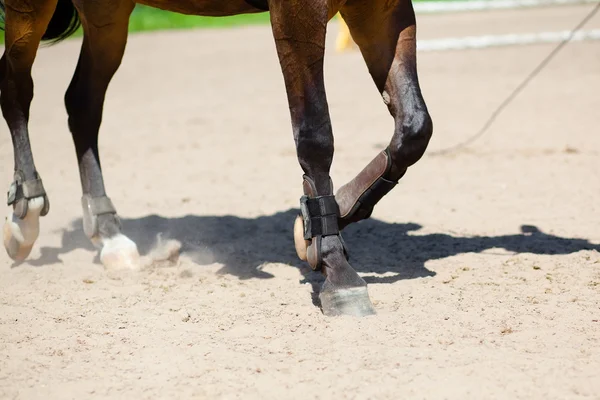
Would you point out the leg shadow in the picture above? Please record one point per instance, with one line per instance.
(244, 245)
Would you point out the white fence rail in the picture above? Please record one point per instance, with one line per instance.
(485, 41)
(428, 7)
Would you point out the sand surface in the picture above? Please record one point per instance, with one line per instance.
(484, 266)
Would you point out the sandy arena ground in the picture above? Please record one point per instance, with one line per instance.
(484, 266)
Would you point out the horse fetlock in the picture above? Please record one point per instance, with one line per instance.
(318, 219)
(357, 198)
(22, 191)
(95, 208)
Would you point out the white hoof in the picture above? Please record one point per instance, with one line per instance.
(119, 252)
(20, 234)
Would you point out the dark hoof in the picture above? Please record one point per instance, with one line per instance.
(351, 301)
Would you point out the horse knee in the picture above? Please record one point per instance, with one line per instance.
(411, 137)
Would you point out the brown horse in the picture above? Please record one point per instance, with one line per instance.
(384, 30)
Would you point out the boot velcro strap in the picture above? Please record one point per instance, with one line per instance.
(102, 205)
(320, 216)
(25, 190)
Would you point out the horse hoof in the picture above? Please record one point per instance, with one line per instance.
(20, 234)
(14, 243)
(352, 301)
(119, 253)
(299, 242)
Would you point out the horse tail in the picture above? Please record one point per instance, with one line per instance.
(65, 21)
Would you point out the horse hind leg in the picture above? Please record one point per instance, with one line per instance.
(105, 26)
(386, 35)
(26, 23)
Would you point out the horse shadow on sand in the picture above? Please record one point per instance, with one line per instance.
(243, 245)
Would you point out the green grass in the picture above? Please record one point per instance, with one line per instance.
(151, 19)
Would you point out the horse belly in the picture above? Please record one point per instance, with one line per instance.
(209, 8)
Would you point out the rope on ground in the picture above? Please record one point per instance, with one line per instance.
(490, 121)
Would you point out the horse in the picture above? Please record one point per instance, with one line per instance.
(385, 33)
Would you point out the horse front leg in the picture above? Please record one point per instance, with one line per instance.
(385, 32)
(26, 23)
(299, 31)
(105, 26)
